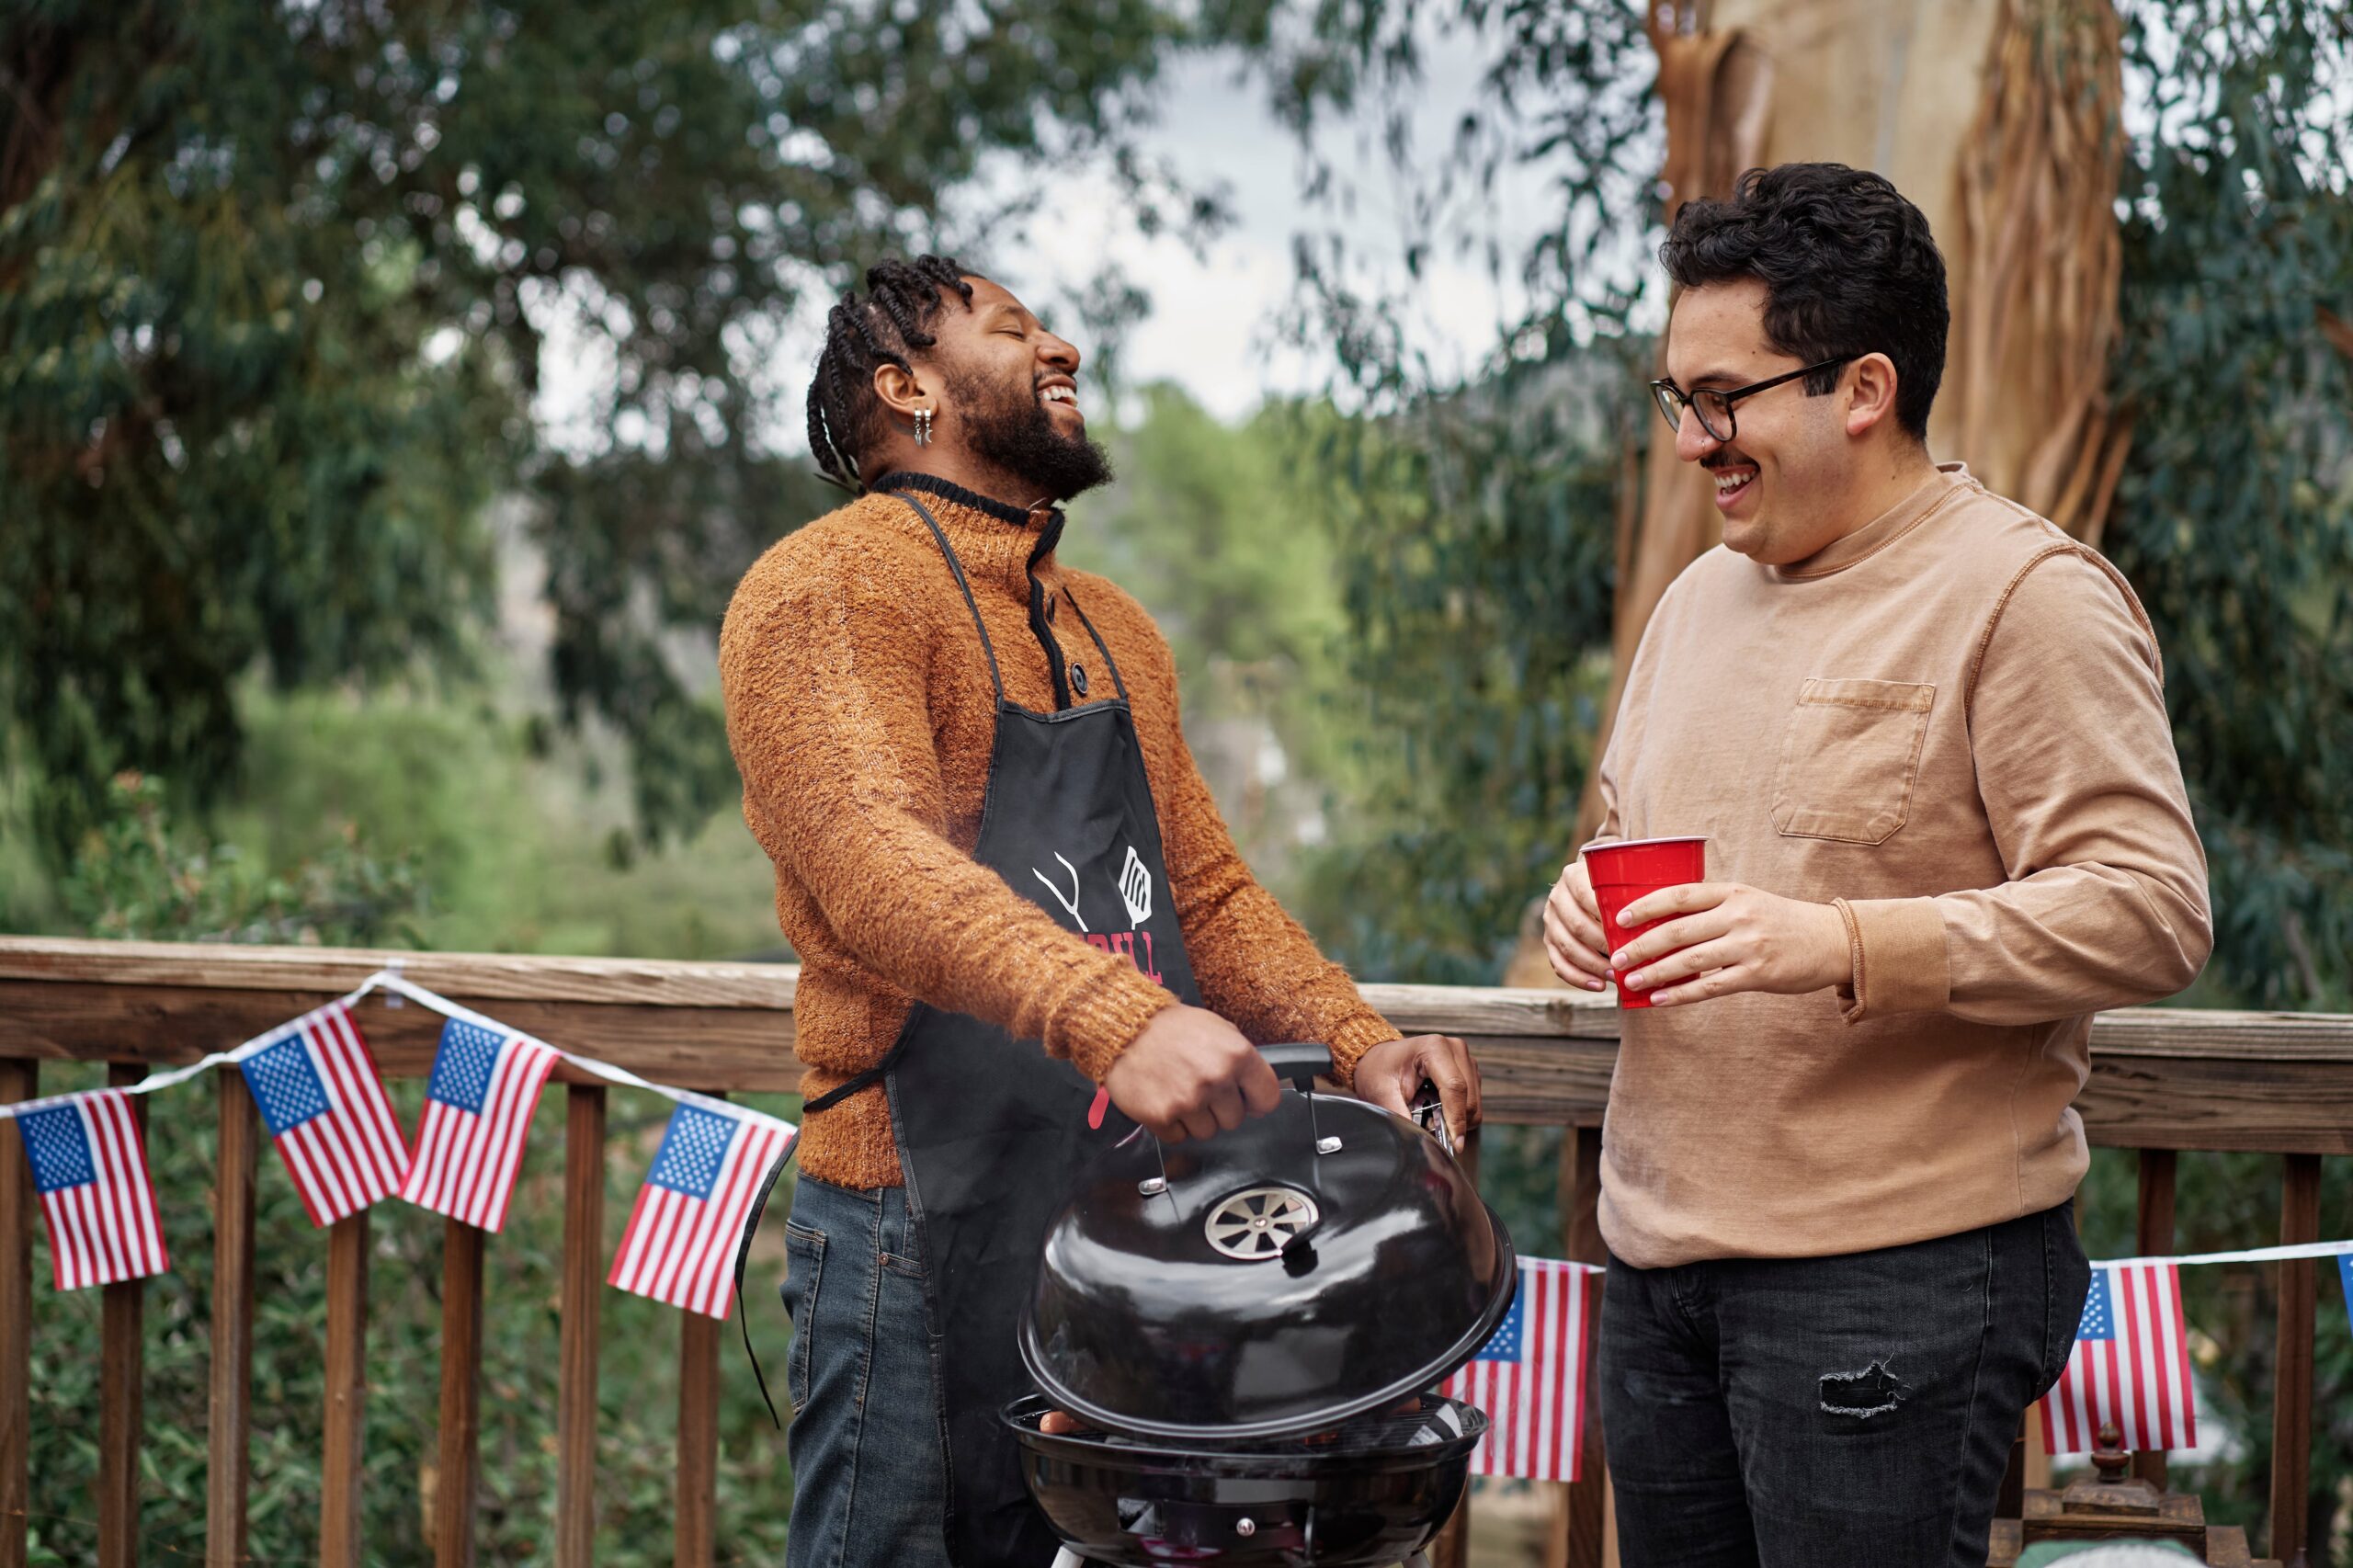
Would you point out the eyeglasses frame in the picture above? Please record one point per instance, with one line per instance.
(1661, 389)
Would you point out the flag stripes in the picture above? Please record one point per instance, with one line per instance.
(2130, 1365)
(478, 1108)
(680, 1243)
(98, 1200)
(1530, 1379)
(323, 1097)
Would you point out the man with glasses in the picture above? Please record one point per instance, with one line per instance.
(1925, 733)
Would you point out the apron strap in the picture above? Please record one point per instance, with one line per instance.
(964, 587)
(742, 1255)
(842, 1091)
(1118, 685)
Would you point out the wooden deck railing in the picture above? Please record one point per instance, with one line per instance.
(2161, 1082)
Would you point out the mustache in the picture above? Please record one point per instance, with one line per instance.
(1724, 456)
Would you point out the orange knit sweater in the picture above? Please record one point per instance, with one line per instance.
(860, 709)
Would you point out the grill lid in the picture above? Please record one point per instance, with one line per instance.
(1317, 1263)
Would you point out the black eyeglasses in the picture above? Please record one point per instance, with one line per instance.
(1714, 408)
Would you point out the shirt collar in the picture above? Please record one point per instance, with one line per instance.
(999, 544)
(1881, 531)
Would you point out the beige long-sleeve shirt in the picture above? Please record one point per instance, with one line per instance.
(1952, 722)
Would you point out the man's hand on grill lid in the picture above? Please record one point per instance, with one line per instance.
(1189, 1074)
(1390, 1074)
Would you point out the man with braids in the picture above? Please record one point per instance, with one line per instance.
(1015, 905)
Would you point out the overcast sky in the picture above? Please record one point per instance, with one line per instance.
(1212, 327)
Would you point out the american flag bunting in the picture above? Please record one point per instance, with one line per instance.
(324, 1101)
(478, 1103)
(1530, 1376)
(680, 1243)
(90, 1168)
(2130, 1365)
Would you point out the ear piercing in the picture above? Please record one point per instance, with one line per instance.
(923, 427)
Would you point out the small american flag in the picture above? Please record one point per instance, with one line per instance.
(2130, 1365)
(680, 1245)
(90, 1167)
(1530, 1375)
(478, 1107)
(320, 1092)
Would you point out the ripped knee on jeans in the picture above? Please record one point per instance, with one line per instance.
(1874, 1390)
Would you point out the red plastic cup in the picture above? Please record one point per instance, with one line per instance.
(1625, 872)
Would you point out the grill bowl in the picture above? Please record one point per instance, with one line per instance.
(1368, 1495)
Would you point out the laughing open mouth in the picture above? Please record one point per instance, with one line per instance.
(1732, 481)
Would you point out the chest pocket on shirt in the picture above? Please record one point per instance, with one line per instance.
(1850, 754)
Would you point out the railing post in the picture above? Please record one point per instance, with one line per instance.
(575, 1409)
(1578, 1511)
(121, 1374)
(341, 1469)
(20, 1080)
(233, 1328)
(2152, 1237)
(2292, 1392)
(459, 1442)
(698, 1440)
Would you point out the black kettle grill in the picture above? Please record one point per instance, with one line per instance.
(1248, 1328)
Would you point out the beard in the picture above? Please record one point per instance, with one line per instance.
(1006, 425)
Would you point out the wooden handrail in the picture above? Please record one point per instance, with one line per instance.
(2161, 1080)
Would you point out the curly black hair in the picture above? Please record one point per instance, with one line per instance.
(1848, 267)
(893, 320)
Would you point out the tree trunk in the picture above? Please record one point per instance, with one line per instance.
(1998, 119)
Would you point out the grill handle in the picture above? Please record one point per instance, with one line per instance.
(1300, 1062)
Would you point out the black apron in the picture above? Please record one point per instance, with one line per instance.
(992, 1131)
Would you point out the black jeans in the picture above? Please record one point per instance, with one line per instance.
(1823, 1412)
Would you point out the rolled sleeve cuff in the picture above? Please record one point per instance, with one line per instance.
(1105, 1020)
(1899, 951)
(1355, 1036)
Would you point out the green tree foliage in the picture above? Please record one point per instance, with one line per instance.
(275, 281)
(1475, 562)
(142, 877)
(2234, 513)
(1473, 513)
(2235, 521)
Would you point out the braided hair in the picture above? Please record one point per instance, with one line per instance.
(894, 318)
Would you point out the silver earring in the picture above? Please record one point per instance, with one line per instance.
(923, 427)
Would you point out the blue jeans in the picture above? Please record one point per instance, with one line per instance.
(1797, 1413)
(868, 1471)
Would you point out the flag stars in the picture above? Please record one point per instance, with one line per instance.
(1504, 1344)
(463, 1066)
(286, 1086)
(2098, 1312)
(692, 1151)
(59, 1148)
